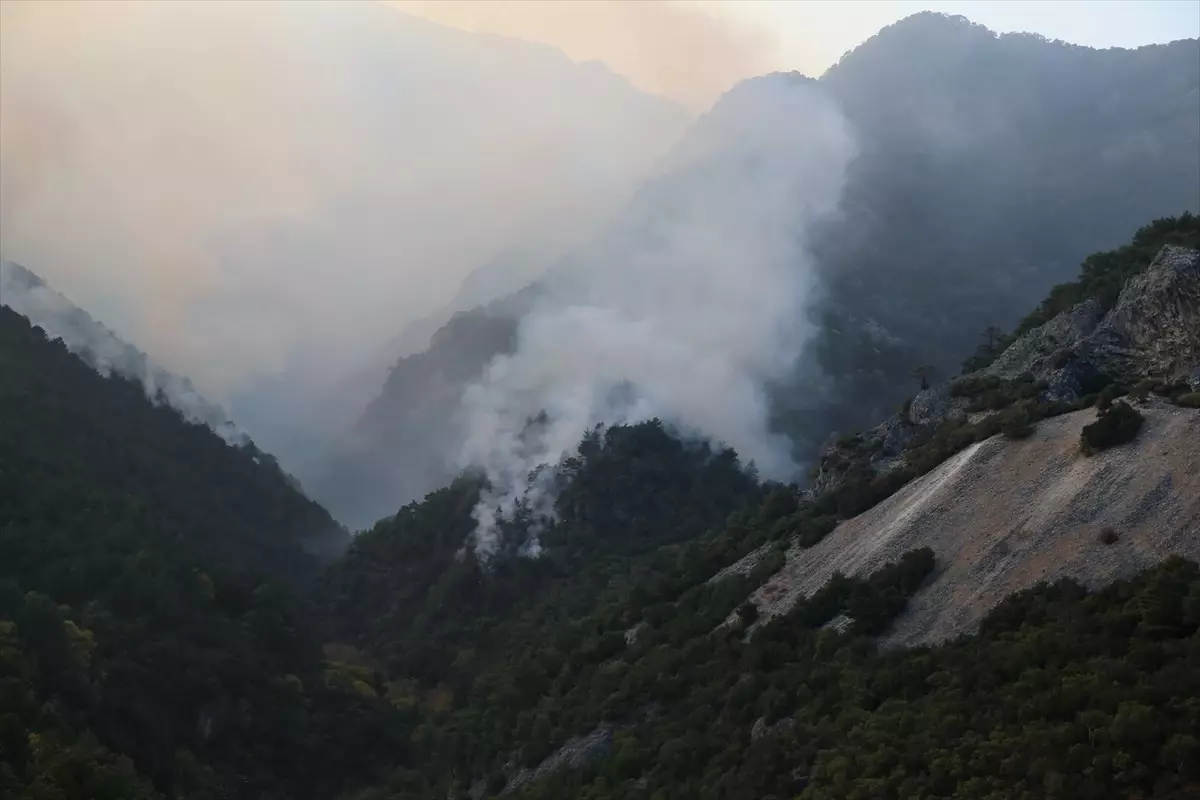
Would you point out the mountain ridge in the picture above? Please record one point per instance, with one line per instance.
(986, 500)
(882, 245)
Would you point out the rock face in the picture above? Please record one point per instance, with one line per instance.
(1155, 327)
(576, 753)
(1045, 351)
(1002, 515)
(1153, 330)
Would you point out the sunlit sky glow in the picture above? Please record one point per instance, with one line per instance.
(692, 50)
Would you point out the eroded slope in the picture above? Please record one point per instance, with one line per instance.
(1003, 515)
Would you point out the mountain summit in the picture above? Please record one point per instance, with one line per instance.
(986, 167)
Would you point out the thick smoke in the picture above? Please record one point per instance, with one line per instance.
(656, 43)
(28, 295)
(686, 311)
(264, 194)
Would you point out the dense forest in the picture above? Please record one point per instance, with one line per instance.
(165, 631)
(152, 636)
(168, 628)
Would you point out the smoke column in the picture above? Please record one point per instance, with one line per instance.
(264, 195)
(685, 310)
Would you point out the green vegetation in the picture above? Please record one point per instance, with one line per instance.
(167, 632)
(151, 640)
(1103, 275)
(1116, 425)
(1060, 695)
(1101, 278)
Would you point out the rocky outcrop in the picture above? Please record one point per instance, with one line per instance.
(1043, 350)
(882, 447)
(761, 728)
(1003, 515)
(576, 753)
(1152, 331)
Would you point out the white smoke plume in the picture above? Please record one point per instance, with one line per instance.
(264, 194)
(693, 303)
(28, 295)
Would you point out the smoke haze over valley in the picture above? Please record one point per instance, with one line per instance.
(606, 399)
(395, 250)
(265, 195)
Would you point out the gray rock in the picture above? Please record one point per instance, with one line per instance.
(761, 728)
(1042, 350)
(578, 752)
(1154, 329)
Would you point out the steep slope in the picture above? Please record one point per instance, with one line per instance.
(746, 661)
(412, 591)
(1132, 315)
(28, 295)
(988, 167)
(149, 642)
(1002, 516)
(343, 179)
(67, 427)
(406, 442)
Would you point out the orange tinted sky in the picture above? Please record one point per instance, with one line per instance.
(692, 50)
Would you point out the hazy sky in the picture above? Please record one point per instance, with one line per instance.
(693, 50)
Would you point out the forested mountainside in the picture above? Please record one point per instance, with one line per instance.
(150, 642)
(991, 166)
(158, 639)
(30, 296)
(740, 664)
(988, 167)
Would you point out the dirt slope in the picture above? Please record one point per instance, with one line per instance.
(1003, 515)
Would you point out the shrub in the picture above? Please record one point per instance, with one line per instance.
(1118, 425)
(813, 529)
(1092, 381)
(1108, 535)
(1105, 399)
(1017, 424)
(1171, 390)
(1188, 400)
(1143, 389)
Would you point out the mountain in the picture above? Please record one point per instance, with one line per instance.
(70, 426)
(987, 167)
(1023, 528)
(682, 629)
(991, 165)
(346, 167)
(28, 295)
(151, 640)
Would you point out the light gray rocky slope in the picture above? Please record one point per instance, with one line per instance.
(1152, 331)
(1003, 515)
